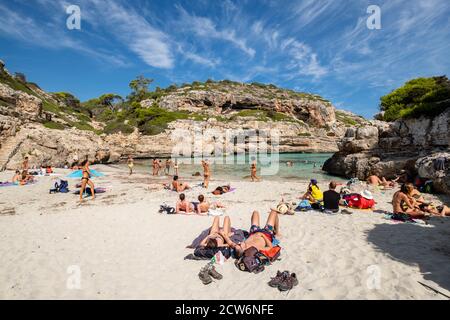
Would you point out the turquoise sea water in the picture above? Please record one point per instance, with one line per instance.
(306, 166)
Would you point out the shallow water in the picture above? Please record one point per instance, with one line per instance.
(305, 166)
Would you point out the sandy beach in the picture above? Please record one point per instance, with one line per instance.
(125, 249)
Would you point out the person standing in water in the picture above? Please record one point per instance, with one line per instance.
(168, 165)
(175, 167)
(253, 170)
(130, 163)
(86, 180)
(206, 173)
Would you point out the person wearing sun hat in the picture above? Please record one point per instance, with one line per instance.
(362, 201)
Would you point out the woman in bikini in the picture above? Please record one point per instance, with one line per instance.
(86, 180)
(215, 239)
(221, 190)
(421, 204)
(253, 175)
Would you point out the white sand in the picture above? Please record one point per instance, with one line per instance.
(126, 250)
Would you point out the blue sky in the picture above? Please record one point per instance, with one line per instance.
(318, 46)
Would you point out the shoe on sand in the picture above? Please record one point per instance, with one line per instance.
(204, 276)
(275, 282)
(213, 273)
(288, 283)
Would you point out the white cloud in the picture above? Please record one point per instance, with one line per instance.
(206, 28)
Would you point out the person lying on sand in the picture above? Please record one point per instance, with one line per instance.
(215, 238)
(259, 238)
(202, 207)
(420, 203)
(179, 186)
(374, 180)
(183, 206)
(221, 190)
(401, 203)
(313, 194)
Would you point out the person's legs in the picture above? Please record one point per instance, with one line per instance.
(255, 219)
(227, 225)
(273, 220)
(82, 188)
(91, 184)
(215, 226)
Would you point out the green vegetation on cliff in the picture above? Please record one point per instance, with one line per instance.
(418, 97)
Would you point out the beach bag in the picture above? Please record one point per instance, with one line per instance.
(249, 261)
(166, 209)
(304, 205)
(61, 186)
(272, 254)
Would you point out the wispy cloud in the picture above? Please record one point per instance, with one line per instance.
(206, 28)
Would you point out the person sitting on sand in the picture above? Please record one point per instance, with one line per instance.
(421, 204)
(331, 199)
(253, 170)
(130, 163)
(374, 180)
(17, 177)
(179, 186)
(221, 190)
(259, 238)
(401, 203)
(202, 207)
(214, 239)
(25, 178)
(86, 180)
(206, 173)
(313, 194)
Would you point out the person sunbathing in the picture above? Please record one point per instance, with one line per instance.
(401, 203)
(421, 204)
(221, 190)
(259, 238)
(313, 194)
(215, 239)
(25, 178)
(183, 206)
(179, 186)
(374, 180)
(202, 207)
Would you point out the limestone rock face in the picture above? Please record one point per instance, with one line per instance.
(437, 168)
(25, 105)
(386, 148)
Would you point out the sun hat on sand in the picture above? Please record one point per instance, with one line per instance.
(283, 208)
(367, 194)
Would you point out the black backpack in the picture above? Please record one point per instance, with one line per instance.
(62, 186)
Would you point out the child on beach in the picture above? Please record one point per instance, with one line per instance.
(253, 171)
(130, 163)
(206, 173)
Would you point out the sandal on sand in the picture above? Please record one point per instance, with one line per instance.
(204, 276)
(288, 282)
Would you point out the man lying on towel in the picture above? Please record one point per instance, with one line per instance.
(259, 238)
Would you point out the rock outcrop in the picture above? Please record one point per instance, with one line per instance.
(386, 148)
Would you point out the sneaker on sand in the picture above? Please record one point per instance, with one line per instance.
(275, 282)
(288, 282)
(204, 276)
(213, 273)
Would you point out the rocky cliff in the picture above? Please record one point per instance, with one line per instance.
(385, 148)
(54, 129)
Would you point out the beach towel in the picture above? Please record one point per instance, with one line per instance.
(78, 174)
(304, 205)
(238, 236)
(215, 212)
(89, 192)
(7, 184)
